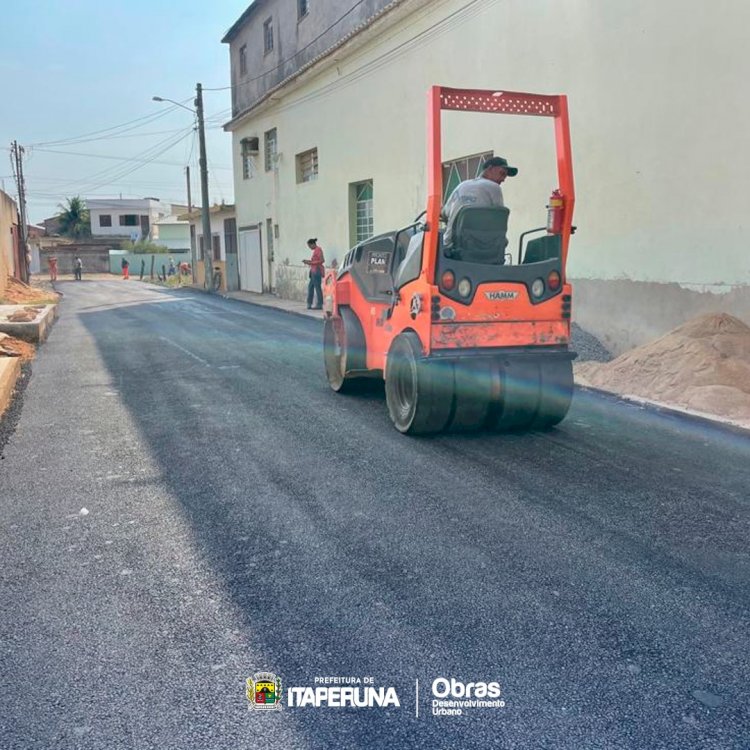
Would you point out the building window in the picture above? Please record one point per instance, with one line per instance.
(364, 215)
(307, 165)
(247, 160)
(200, 247)
(129, 220)
(268, 36)
(303, 8)
(216, 242)
(105, 220)
(269, 143)
(465, 168)
(192, 242)
(243, 60)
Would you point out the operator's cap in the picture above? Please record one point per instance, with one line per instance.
(498, 161)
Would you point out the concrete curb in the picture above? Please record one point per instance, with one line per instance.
(35, 331)
(670, 410)
(10, 369)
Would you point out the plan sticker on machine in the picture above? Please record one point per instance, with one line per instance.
(378, 261)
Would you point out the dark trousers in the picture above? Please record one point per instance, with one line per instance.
(314, 287)
(77, 273)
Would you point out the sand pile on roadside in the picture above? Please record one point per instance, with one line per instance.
(703, 365)
(18, 293)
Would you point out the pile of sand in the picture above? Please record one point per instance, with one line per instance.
(13, 347)
(703, 365)
(18, 293)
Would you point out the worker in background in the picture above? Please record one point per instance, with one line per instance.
(481, 192)
(78, 269)
(317, 269)
(125, 268)
(52, 261)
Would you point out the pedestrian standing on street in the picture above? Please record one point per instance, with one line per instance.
(317, 269)
(52, 261)
(125, 268)
(78, 269)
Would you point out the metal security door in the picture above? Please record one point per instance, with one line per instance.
(251, 270)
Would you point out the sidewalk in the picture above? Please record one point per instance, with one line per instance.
(269, 300)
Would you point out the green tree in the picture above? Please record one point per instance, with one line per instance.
(74, 218)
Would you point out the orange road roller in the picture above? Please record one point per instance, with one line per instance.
(466, 335)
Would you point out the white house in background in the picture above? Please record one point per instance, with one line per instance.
(172, 233)
(223, 244)
(132, 218)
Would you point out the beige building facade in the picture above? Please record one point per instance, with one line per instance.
(9, 237)
(337, 149)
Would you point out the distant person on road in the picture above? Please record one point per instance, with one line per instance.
(125, 268)
(78, 269)
(482, 192)
(317, 269)
(52, 262)
(172, 270)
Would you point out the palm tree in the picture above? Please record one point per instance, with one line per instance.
(74, 218)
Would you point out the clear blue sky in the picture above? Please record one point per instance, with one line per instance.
(70, 68)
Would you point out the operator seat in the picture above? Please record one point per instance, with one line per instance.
(479, 235)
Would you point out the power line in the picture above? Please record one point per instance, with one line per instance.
(155, 152)
(144, 120)
(142, 158)
(462, 14)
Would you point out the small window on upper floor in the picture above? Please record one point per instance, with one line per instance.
(105, 220)
(268, 36)
(269, 149)
(307, 166)
(243, 60)
(303, 8)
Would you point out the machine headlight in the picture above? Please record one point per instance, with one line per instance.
(464, 287)
(537, 288)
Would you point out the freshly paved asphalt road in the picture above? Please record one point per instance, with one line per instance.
(243, 517)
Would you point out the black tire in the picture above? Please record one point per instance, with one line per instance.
(419, 392)
(343, 351)
(556, 393)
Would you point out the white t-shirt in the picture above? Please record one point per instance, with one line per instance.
(480, 193)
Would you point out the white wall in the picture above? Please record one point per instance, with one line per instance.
(658, 122)
(217, 228)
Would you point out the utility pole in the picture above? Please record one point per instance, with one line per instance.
(190, 210)
(207, 244)
(17, 159)
(190, 200)
(205, 215)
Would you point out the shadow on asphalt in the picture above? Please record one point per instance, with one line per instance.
(325, 573)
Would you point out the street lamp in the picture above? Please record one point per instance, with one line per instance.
(206, 217)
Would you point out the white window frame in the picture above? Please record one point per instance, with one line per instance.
(270, 149)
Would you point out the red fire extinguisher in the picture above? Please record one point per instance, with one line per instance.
(555, 213)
